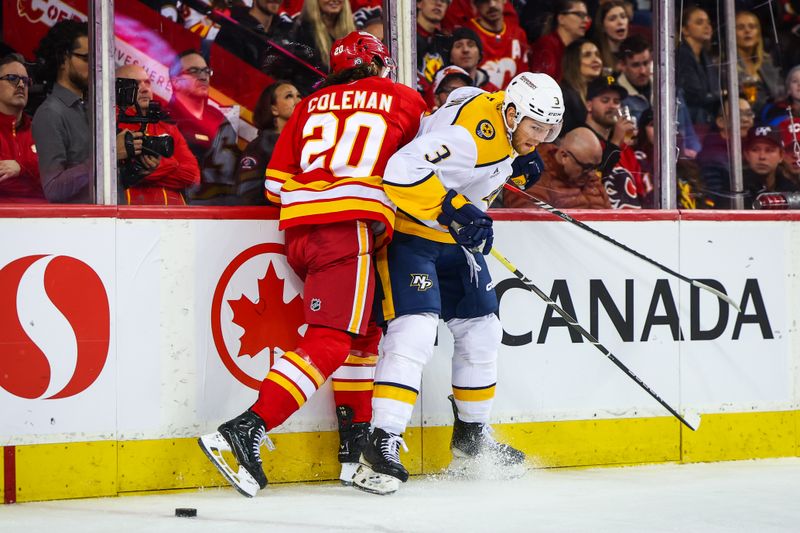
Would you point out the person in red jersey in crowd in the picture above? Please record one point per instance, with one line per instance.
(505, 45)
(326, 174)
(19, 166)
(155, 180)
(570, 23)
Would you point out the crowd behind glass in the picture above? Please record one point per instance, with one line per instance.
(197, 124)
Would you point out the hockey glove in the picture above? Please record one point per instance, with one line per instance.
(527, 169)
(469, 226)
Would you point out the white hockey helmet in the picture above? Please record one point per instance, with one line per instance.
(538, 96)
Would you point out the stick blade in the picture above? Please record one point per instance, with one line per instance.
(719, 294)
(692, 418)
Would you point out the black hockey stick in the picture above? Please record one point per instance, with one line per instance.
(563, 216)
(572, 323)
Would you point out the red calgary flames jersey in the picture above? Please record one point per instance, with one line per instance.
(328, 163)
(505, 54)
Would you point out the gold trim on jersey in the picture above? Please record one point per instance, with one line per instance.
(382, 264)
(422, 200)
(404, 224)
(482, 117)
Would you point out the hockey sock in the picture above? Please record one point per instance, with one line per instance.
(408, 345)
(297, 375)
(353, 381)
(475, 365)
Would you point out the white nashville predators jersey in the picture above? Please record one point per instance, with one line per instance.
(463, 147)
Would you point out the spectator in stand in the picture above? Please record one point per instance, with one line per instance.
(759, 78)
(570, 179)
(60, 126)
(210, 136)
(256, 25)
(636, 74)
(448, 80)
(627, 186)
(610, 29)
(713, 158)
(460, 12)
(570, 23)
(19, 167)
(466, 51)
(431, 43)
(581, 65)
(367, 14)
(150, 179)
(695, 74)
(320, 23)
(505, 45)
(763, 172)
(274, 107)
(775, 113)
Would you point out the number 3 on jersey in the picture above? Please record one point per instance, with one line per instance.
(354, 152)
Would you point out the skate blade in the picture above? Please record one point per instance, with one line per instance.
(347, 473)
(213, 445)
(370, 481)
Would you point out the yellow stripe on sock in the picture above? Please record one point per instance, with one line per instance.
(389, 392)
(474, 395)
(351, 386)
(309, 368)
(290, 387)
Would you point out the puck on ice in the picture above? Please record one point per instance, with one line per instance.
(186, 512)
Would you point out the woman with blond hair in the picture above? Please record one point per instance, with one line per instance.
(759, 78)
(320, 23)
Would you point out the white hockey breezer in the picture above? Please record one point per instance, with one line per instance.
(213, 445)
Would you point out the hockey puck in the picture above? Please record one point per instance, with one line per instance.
(186, 512)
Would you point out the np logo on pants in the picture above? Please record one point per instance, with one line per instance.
(421, 281)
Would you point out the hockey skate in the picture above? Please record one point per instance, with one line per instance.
(381, 470)
(352, 440)
(243, 437)
(474, 447)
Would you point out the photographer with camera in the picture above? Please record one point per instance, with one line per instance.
(155, 162)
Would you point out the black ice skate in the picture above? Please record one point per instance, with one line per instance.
(473, 441)
(352, 441)
(243, 436)
(381, 470)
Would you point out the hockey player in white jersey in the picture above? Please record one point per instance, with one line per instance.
(442, 184)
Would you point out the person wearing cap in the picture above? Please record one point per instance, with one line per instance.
(570, 23)
(430, 41)
(466, 51)
(505, 45)
(626, 184)
(763, 172)
(446, 81)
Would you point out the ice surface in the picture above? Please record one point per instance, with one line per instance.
(745, 496)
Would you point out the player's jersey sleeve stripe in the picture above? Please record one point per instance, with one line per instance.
(422, 200)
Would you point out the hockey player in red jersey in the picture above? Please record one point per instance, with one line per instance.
(326, 175)
(505, 45)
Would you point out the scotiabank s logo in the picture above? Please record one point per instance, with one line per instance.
(54, 326)
(256, 312)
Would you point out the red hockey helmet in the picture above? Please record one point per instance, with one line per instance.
(358, 48)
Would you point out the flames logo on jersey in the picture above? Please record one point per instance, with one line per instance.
(25, 8)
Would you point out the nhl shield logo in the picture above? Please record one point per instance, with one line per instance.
(316, 304)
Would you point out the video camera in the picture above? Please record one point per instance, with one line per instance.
(127, 96)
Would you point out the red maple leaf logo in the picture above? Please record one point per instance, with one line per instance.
(268, 322)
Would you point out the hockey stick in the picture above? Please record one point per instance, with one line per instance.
(572, 323)
(563, 216)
